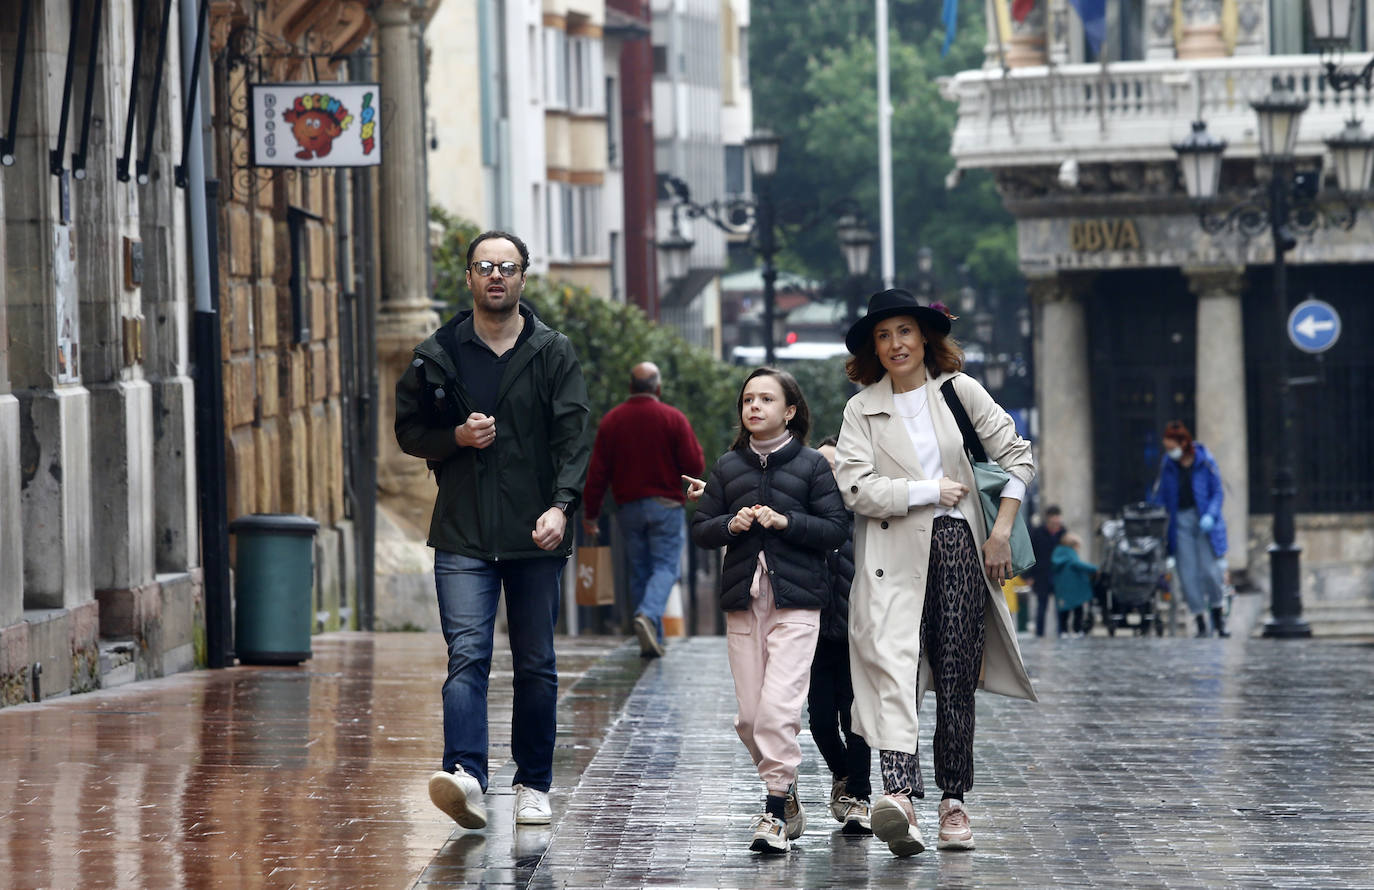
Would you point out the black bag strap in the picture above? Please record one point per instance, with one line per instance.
(972, 444)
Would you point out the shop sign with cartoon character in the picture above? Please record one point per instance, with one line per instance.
(316, 124)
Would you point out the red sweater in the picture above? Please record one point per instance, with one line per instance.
(643, 447)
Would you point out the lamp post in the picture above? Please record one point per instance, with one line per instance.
(1330, 22)
(856, 241)
(758, 217)
(1287, 204)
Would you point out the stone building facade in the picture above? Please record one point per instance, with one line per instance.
(286, 262)
(1140, 315)
(104, 543)
(99, 533)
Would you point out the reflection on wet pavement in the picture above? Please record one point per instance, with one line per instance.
(252, 777)
(1148, 763)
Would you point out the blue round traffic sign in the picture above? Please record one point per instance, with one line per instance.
(1314, 326)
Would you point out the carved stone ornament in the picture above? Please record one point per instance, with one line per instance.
(1216, 281)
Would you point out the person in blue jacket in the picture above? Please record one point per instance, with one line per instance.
(1189, 487)
(1073, 578)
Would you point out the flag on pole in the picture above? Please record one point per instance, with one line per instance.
(950, 16)
(1094, 16)
(1021, 9)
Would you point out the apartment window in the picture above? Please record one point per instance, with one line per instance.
(744, 56)
(560, 248)
(588, 222)
(660, 59)
(555, 68)
(613, 131)
(584, 75)
(734, 170)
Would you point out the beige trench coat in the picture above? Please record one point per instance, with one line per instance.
(874, 460)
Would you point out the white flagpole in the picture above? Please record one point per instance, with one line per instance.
(884, 149)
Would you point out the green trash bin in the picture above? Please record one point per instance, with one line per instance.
(274, 587)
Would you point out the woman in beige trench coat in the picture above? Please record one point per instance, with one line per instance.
(926, 607)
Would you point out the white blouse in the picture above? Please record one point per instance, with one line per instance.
(913, 408)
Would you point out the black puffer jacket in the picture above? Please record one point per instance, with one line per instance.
(835, 617)
(796, 482)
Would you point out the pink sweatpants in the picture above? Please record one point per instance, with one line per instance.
(770, 657)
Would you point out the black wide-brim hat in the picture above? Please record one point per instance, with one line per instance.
(887, 303)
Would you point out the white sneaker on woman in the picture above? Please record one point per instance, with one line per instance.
(894, 823)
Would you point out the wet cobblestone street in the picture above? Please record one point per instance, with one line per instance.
(1149, 762)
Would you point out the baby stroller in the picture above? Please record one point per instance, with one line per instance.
(1133, 569)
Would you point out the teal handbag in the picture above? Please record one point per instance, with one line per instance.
(989, 478)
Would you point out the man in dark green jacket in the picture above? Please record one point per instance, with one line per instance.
(495, 401)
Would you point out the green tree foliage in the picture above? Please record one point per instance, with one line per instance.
(814, 80)
(609, 338)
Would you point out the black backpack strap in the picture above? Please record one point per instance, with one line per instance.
(972, 443)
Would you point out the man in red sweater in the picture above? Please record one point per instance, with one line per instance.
(643, 449)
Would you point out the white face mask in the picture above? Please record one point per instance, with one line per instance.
(1175, 453)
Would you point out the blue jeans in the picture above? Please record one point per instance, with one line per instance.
(654, 534)
(1199, 572)
(468, 592)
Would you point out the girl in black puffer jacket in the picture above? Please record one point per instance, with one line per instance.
(773, 504)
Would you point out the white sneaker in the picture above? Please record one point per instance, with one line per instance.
(460, 796)
(838, 799)
(770, 835)
(649, 646)
(894, 823)
(857, 818)
(531, 806)
(796, 816)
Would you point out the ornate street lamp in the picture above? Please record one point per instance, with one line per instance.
(1199, 157)
(1352, 154)
(677, 253)
(757, 216)
(1288, 202)
(856, 242)
(1331, 21)
(763, 148)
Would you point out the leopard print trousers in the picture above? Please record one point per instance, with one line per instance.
(952, 636)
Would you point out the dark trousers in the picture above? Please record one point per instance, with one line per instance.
(1042, 602)
(1074, 616)
(828, 703)
(952, 638)
(468, 591)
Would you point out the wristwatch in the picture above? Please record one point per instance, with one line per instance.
(565, 506)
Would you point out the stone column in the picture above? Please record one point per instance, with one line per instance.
(404, 316)
(1064, 396)
(1220, 398)
(45, 360)
(1027, 45)
(105, 217)
(1159, 30)
(1199, 34)
(166, 322)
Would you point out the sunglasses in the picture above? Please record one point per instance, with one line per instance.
(485, 268)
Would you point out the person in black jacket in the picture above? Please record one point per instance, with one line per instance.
(832, 693)
(773, 505)
(1044, 538)
(495, 401)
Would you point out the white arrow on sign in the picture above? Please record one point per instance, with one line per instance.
(1309, 327)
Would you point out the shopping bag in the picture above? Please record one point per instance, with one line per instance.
(595, 577)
